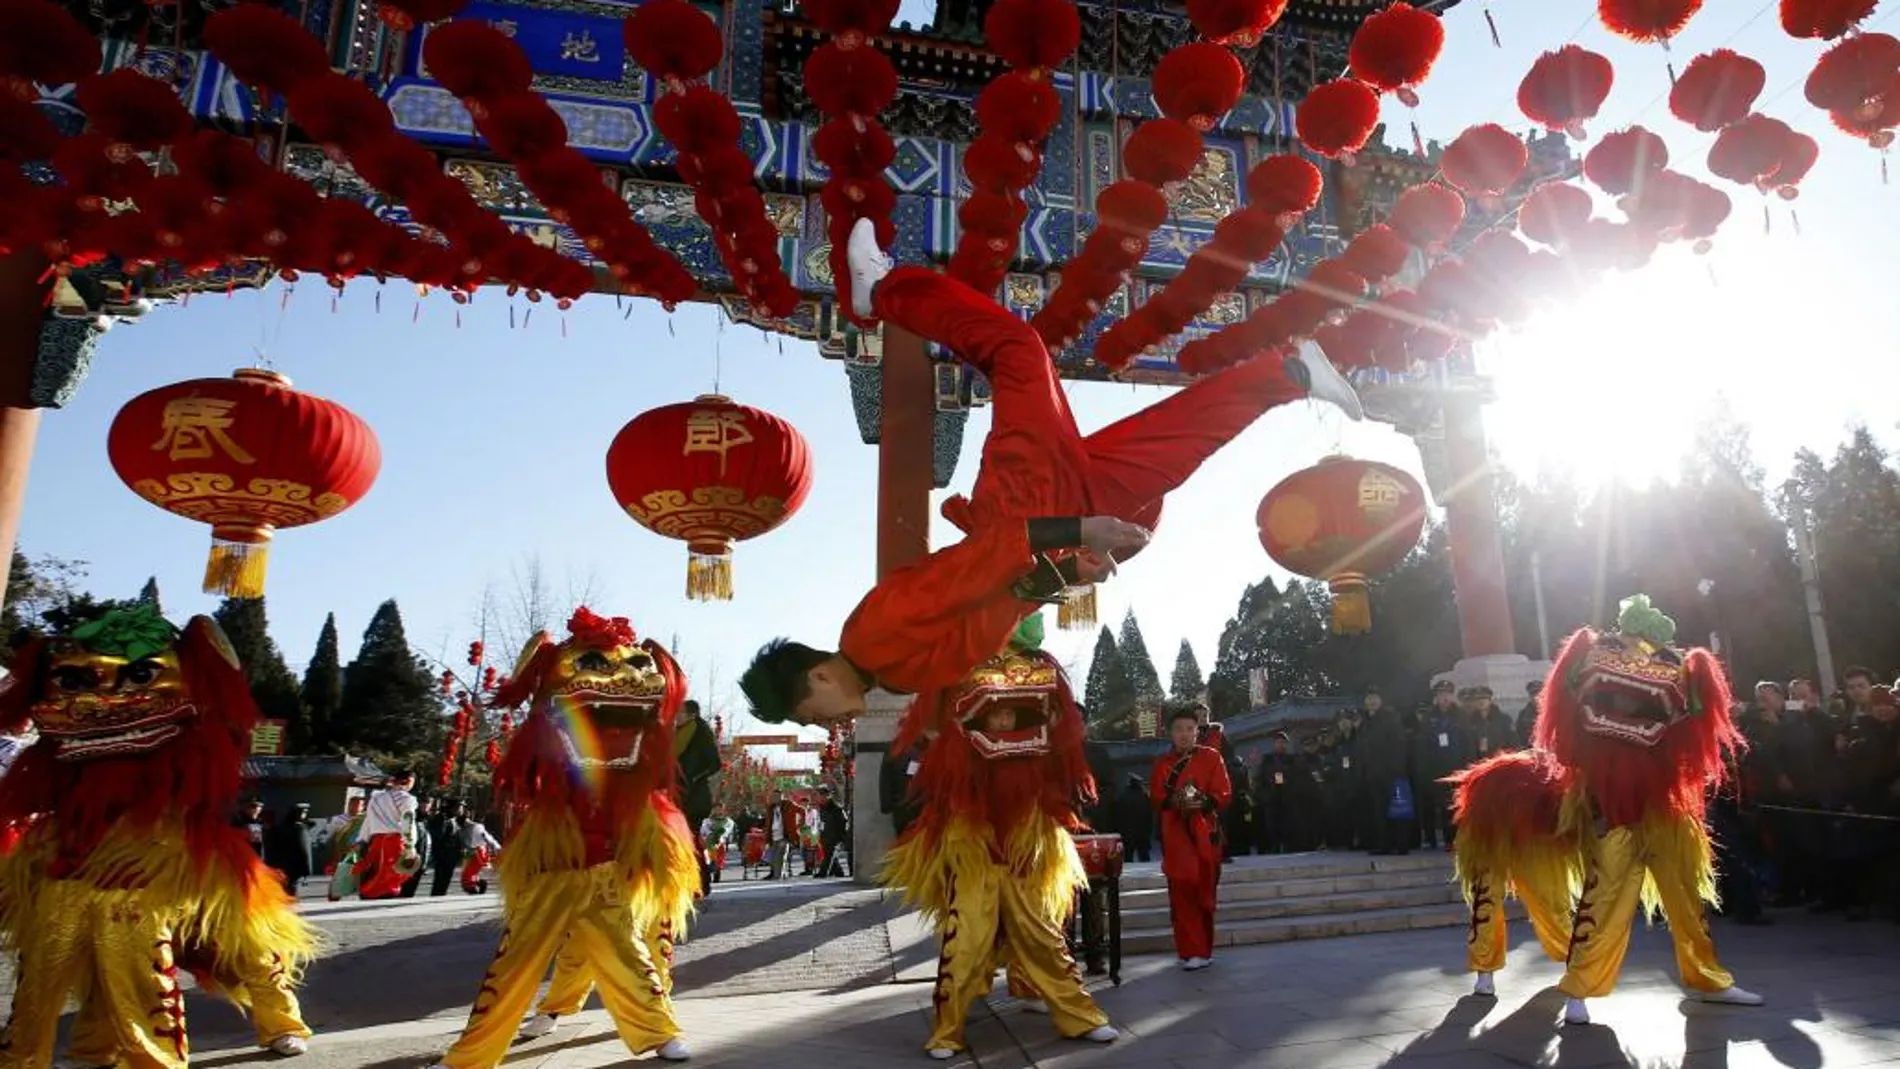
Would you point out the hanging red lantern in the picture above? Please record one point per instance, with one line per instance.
(1751, 150)
(1621, 162)
(1647, 21)
(1428, 215)
(1554, 212)
(1341, 521)
(1824, 19)
(1717, 89)
(493, 753)
(1235, 22)
(1566, 88)
(247, 455)
(1337, 119)
(1198, 83)
(1394, 50)
(1485, 160)
(709, 473)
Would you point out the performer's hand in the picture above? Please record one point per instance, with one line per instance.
(1110, 537)
(1093, 567)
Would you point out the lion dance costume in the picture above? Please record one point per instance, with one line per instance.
(600, 869)
(1604, 814)
(990, 859)
(118, 863)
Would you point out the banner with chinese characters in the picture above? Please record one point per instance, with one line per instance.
(560, 43)
(267, 738)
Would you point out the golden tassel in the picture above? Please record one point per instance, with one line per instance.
(1077, 611)
(235, 568)
(709, 576)
(1352, 605)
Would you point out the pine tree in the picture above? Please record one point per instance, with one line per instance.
(390, 701)
(1109, 700)
(272, 685)
(148, 594)
(1143, 681)
(1187, 684)
(323, 684)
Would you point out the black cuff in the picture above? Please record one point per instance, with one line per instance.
(1063, 532)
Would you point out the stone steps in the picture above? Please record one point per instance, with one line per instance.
(1302, 896)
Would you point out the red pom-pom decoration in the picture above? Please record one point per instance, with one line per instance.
(672, 40)
(408, 14)
(1131, 208)
(1033, 34)
(697, 120)
(1717, 89)
(1198, 83)
(1428, 215)
(1824, 19)
(41, 42)
(522, 126)
(1708, 209)
(1394, 50)
(1337, 119)
(264, 47)
(1874, 121)
(1565, 88)
(1799, 153)
(476, 61)
(1235, 22)
(1619, 163)
(857, 81)
(339, 110)
(845, 149)
(1285, 185)
(994, 165)
(1162, 151)
(1750, 150)
(1855, 74)
(1378, 253)
(25, 132)
(1661, 203)
(1019, 107)
(1554, 213)
(1647, 21)
(1335, 284)
(1249, 235)
(133, 109)
(1485, 160)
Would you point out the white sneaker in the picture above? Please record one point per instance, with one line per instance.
(868, 265)
(1575, 1012)
(674, 1050)
(535, 1027)
(1034, 1005)
(1323, 380)
(942, 1054)
(1104, 1034)
(288, 1046)
(1195, 964)
(1486, 987)
(1730, 996)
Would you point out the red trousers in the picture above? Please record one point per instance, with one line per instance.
(472, 871)
(1035, 461)
(1193, 884)
(376, 874)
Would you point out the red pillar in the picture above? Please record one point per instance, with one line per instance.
(906, 436)
(21, 313)
(1477, 554)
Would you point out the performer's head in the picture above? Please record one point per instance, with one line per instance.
(1184, 729)
(402, 781)
(792, 682)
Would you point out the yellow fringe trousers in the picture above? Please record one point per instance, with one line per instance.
(1662, 863)
(585, 919)
(567, 993)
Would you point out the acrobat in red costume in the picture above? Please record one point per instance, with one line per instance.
(1602, 818)
(1189, 786)
(1051, 509)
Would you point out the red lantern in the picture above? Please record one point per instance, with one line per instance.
(1717, 89)
(1485, 160)
(1342, 520)
(247, 455)
(709, 473)
(1565, 88)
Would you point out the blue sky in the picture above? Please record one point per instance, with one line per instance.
(493, 438)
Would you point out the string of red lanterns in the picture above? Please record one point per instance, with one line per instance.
(850, 81)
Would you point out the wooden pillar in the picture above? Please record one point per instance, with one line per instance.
(21, 315)
(906, 434)
(1477, 553)
(906, 437)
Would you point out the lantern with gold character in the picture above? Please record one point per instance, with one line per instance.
(709, 473)
(1341, 521)
(247, 455)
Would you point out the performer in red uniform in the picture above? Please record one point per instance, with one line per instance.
(1051, 508)
(1190, 788)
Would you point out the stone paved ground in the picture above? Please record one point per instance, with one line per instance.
(797, 974)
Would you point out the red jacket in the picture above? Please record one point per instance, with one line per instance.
(1192, 836)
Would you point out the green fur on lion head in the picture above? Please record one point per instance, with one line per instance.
(1029, 633)
(1637, 618)
(133, 633)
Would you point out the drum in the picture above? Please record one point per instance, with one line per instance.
(1101, 855)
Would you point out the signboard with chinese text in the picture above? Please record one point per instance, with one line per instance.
(267, 738)
(560, 43)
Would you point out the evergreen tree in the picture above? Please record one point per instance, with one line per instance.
(1855, 510)
(1110, 701)
(148, 594)
(323, 684)
(1144, 682)
(272, 685)
(390, 701)
(1187, 684)
(1280, 632)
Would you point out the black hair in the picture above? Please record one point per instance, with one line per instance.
(1184, 713)
(691, 705)
(1857, 670)
(1769, 684)
(778, 680)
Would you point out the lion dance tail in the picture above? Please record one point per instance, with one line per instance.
(1516, 835)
